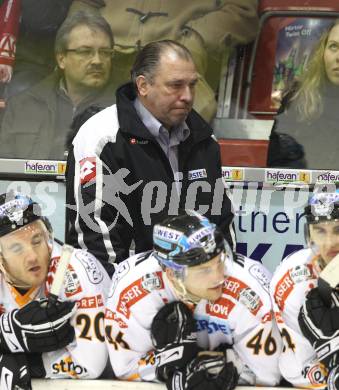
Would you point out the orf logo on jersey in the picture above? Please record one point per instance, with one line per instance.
(87, 170)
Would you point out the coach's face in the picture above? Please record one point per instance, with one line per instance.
(325, 236)
(169, 95)
(25, 255)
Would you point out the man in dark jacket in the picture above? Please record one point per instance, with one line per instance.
(36, 122)
(143, 159)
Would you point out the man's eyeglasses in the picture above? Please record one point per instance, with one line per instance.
(87, 53)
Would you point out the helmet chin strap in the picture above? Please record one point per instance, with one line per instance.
(182, 293)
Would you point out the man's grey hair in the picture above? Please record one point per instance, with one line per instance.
(147, 60)
(82, 18)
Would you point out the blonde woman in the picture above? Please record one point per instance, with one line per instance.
(306, 129)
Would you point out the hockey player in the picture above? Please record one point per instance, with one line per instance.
(37, 337)
(294, 288)
(189, 314)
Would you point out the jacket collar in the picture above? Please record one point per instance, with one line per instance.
(131, 124)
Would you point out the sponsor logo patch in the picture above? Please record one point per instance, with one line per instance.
(152, 282)
(110, 315)
(134, 141)
(243, 293)
(212, 325)
(42, 167)
(197, 174)
(328, 177)
(233, 174)
(286, 284)
(250, 299)
(133, 294)
(71, 281)
(220, 308)
(67, 365)
(91, 302)
(87, 170)
(286, 176)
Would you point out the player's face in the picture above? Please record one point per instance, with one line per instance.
(85, 71)
(26, 254)
(169, 96)
(325, 236)
(206, 280)
(331, 56)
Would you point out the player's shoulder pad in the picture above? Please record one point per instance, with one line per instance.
(292, 262)
(132, 269)
(96, 132)
(252, 271)
(253, 281)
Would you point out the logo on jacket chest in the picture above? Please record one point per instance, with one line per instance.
(134, 141)
(197, 174)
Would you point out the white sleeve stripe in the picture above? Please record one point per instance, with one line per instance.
(76, 197)
(97, 211)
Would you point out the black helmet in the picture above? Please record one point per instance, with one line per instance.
(16, 211)
(187, 240)
(322, 207)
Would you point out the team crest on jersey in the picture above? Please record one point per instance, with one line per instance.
(250, 299)
(72, 284)
(87, 170)
(151, 282)
(93, 272)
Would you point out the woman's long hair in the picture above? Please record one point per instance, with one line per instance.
(308, 97)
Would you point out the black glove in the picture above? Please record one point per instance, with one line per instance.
(174, 337)
(205, 372)
(37, 327)
(14, 373)
(319, 323)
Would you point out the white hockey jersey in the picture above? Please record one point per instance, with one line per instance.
(242, 317)
(87, 283)
(293, 278)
